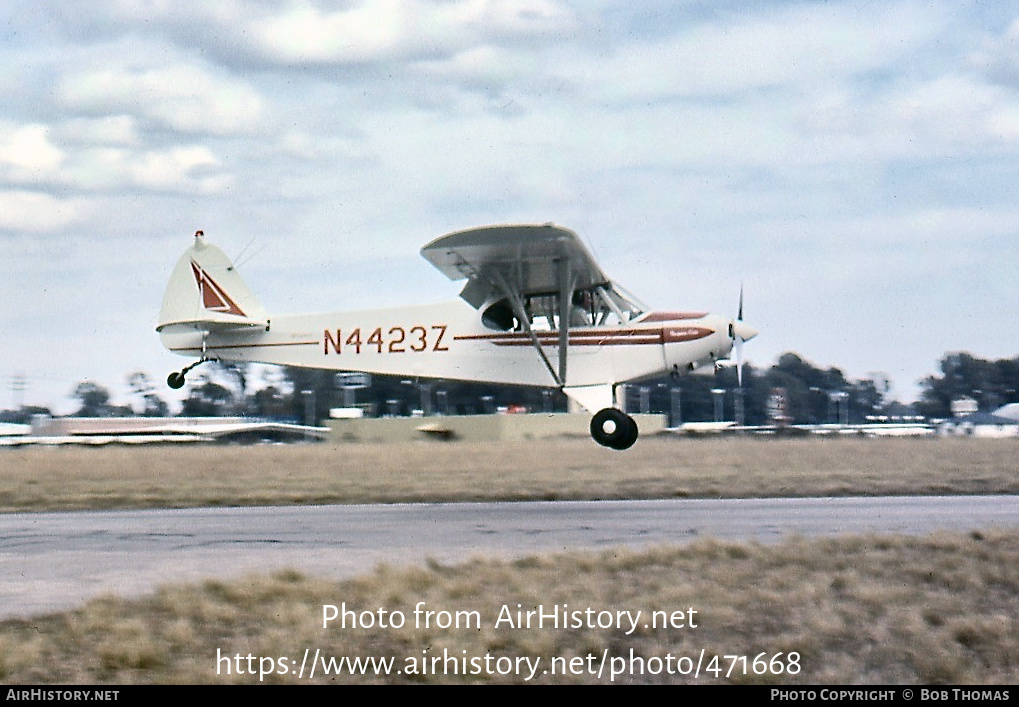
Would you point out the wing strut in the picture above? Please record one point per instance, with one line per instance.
(518, 309)
(566, 284)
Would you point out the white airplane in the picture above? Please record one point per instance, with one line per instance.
(536, 310)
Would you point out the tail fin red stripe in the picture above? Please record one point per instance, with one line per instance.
(213, 296)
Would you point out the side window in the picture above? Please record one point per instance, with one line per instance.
(499, 316)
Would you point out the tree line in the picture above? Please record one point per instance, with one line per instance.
(793, 389)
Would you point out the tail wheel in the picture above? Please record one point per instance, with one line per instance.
(176, 380)
(613, 428)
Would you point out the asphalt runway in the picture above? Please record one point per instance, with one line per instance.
(52, 561)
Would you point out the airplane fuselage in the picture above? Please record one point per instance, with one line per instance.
(448, 340)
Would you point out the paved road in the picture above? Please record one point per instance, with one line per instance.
(58, 560)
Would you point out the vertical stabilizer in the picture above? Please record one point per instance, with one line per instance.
(206, 293)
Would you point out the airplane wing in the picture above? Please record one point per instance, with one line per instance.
(517, 263)
(528, 260)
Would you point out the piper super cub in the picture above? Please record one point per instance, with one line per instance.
(536, 310)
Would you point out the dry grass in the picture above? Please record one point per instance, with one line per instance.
(940, 609)
(36, 479)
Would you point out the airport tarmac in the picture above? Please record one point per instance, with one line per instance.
(53, 561)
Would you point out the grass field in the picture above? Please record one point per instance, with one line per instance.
(885, 609)
(37, 479)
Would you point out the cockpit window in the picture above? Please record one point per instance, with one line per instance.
(597, 306)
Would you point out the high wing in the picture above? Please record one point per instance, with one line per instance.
(520, 273)
(528, 258)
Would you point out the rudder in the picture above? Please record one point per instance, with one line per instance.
(205, 293)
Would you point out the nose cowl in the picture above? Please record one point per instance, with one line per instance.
(743, 330)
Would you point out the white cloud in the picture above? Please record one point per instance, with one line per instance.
(998, 57)
(37, 212)
(387, 30)
(305, 33)
(101, 155)
(184, 97)
(488, 67)
(797, 48)
(518, 18)
(28, 150)
(179, 168)
(950, 116)
(1003, 123)
(185, 169)
(119, 130)
(956, 112)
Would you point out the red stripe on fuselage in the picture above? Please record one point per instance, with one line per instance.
(614, 337)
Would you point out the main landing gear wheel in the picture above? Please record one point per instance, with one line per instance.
(613, 428)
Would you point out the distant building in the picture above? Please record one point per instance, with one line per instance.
(1011, 411)
(141, 430)
(9, 429)
(964, 406)
(778, 407)
(980, 424)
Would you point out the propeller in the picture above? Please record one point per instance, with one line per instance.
(740, 333)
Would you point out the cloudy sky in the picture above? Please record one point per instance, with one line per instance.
(853, 164)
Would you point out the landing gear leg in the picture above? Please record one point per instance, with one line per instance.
(613, 428)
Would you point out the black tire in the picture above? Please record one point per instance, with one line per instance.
(631, 434)
(175, 380)
(613, 428)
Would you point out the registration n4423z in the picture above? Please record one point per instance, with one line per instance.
(395, 339)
